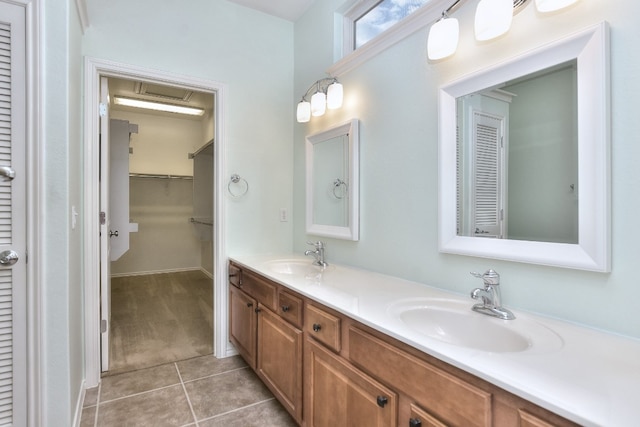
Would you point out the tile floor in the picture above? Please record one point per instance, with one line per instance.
(203, 392)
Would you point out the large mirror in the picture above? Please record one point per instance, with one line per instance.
(332, 182)
(525, 157)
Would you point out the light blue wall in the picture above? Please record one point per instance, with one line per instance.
(62, 313)
(250, 52)
(395, 97)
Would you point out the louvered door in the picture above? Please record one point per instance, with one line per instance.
(13, 355)
(488, 174)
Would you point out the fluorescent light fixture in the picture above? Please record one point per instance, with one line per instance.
(157, 106)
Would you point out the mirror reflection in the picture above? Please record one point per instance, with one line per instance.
(332, 182)
(517, 158)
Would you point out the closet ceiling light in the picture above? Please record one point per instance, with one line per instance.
(157, 106)
(492, 19)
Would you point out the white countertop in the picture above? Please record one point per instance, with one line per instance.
(587, 376)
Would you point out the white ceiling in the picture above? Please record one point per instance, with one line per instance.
(290, 10)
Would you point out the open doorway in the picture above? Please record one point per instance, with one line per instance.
(95, 70)
(161, 226)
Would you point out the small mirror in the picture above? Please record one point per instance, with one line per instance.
(524, 157)
(332, 182)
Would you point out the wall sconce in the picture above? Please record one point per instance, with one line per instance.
(492, 19)
(328, 94)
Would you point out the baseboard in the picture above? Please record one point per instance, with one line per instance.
(144, 273)
(206, 273)
(77, 417)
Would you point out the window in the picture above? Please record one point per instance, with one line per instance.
(367, 27)
(381, 16)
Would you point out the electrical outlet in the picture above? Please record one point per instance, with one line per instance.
(284, 215)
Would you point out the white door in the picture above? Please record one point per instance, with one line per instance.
(13, 307)
(118, 214)
(105, 226)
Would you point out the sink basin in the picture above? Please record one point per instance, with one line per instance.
(454, 322)
(295, 267)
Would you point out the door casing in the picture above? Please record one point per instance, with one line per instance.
(94, 69)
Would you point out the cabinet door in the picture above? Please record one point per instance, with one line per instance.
(243, 324)
(280, 360)
(337, 394)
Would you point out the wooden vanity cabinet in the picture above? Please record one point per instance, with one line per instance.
(243, 324)
(270, 345)
(353, 375)
(338, 394)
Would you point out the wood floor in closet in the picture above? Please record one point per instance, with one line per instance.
(160, 318)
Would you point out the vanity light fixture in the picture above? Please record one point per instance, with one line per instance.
(492, 19)
(328, 94)
(157, 106)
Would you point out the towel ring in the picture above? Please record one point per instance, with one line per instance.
(236, 179)
(337, 184)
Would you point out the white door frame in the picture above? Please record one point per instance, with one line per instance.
(94, 69)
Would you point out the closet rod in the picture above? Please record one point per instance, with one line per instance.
(158, 176)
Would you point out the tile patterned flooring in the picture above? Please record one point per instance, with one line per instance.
(202, 392)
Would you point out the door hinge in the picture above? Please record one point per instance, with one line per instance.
(102, 109)
(103, 218)
(501, 214)
(103, 326)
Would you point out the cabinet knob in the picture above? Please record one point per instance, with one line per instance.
(258, 310)
(316, 327)
(249, 304)
(285, 308)
(415, 422)
(382, 400)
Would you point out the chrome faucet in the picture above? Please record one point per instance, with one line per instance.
(491, 304)
(318, 254)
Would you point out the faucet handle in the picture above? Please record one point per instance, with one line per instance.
(490, 277)
(318, 245)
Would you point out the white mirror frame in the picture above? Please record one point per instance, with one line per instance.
(350, 232)
(593, 251)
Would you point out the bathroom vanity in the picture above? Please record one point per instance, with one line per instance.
(330, 345)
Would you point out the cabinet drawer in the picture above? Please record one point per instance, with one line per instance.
(264, 291)
(323, 326)
(235, 275)
(466, 405)
(290, 308)
(421, 418)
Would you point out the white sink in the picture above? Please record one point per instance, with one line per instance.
(453, 322)
(295, 267)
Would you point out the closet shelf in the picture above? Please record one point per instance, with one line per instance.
(159, 176)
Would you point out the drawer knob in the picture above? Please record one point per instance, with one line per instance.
(316, 327)
(415, 422)
(258, 310)
(382, 400)
(249, 304)
(285, 308)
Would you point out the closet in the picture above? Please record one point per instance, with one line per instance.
(162, 286)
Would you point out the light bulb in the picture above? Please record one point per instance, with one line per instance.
(334, 96)
(493, 18)
(318, 104)
(304, 112)
(553, 5)
(443, 38)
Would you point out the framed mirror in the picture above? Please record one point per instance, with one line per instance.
(332, 185)
(524, 157)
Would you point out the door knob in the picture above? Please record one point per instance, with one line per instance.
(113, 233)
(8, 258)
(6, 173)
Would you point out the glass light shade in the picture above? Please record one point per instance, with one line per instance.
(443, 38)
(318, 104)
(493, 18)
(334, 96)
(303, 112)
(553, 5)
